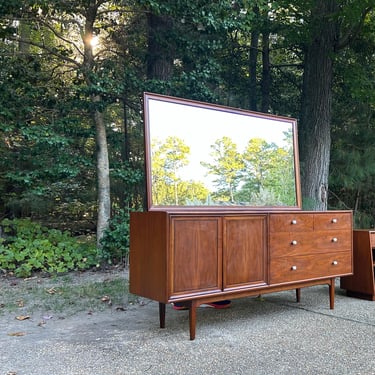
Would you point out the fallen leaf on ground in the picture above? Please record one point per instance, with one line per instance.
(30, 278)
(17, 334)
(107, 300)
(23, 317)
(120, 308)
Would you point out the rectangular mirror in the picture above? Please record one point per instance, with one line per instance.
(206, 156)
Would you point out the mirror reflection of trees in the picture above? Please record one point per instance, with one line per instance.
(261, 175)
(168, 187)
(268, 175)
(226, 167)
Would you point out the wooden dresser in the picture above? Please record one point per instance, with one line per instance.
(201, 257)
(362, 283)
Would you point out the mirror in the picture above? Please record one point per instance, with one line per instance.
(200, 155)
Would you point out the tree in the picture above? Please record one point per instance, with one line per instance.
(268, 172)
(227, 166)
(168, 159)
(352, 167)
(331, 27)
(74, 48)
(36, 106)
(63, 93)
(88, 68)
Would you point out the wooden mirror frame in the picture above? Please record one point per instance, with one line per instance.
(170, 104)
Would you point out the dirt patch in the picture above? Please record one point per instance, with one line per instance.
(65, 294)
(66, 324)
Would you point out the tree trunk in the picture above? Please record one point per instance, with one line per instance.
(266, 72)
(24, 29)
(160, 49)
(104, 196)
(315, 124)
(253, 61)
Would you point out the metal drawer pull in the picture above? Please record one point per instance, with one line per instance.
(334, 221)
(334, 239)
(294, 222)
(294, 242)
(335, 263)
(293, 268)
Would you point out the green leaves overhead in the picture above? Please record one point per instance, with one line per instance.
(47, 136)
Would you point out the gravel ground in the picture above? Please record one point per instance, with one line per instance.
(272, 335)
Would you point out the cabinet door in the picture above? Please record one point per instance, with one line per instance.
(196, 256)
(244, 251)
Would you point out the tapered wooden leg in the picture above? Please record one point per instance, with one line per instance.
(192, 318)
(332, 294)
(162, 314)
(298, 294)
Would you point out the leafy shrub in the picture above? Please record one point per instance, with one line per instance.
(28, 247)
(115, 241)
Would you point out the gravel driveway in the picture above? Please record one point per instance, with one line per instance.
(272, 335)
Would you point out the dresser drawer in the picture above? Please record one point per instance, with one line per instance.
(293, 222)
(287, 244)
(299, 243)
(305, 267)
(338, 240)
(332, 221)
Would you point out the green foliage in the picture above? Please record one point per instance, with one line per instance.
(28, 247)
(115, 241)
(34, 124)
(47, 141)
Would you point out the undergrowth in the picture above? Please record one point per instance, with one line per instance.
(27, 247)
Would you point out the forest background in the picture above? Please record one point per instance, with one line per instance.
(72, 76)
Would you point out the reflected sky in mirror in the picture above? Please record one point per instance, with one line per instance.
(199, 128)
